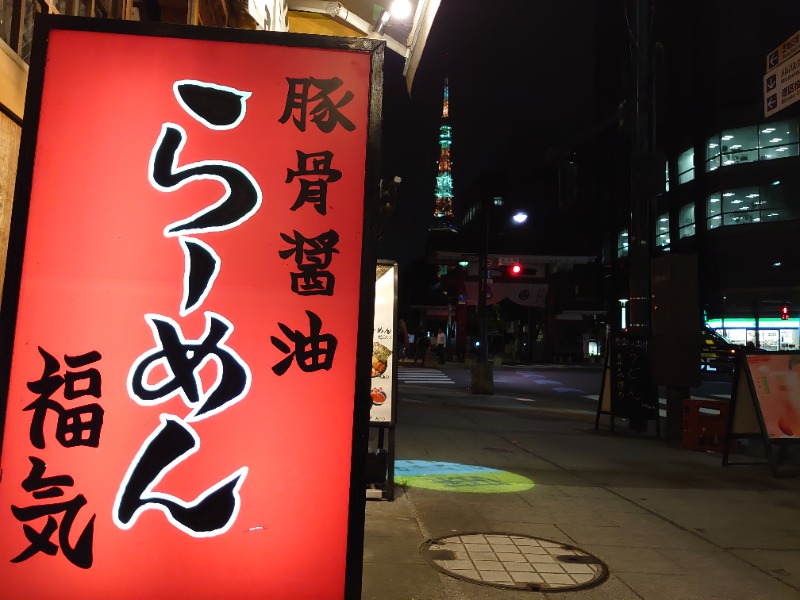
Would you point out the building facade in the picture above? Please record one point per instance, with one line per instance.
(723, 169)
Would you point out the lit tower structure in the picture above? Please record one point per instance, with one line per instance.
(443, 218)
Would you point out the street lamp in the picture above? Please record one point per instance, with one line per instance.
(400, 10)
(623, 320)
(482, 378)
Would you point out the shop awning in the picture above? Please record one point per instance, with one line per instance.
(363, 18)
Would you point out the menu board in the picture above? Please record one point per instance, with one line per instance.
(633, 393)
(384, 343)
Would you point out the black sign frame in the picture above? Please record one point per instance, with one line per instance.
(627, 389)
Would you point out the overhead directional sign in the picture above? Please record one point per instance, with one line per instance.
(784, 52)
(782, 86)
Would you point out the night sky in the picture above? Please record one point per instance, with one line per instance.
(521, 81)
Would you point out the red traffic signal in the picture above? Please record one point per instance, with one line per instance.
(784, 312)
(515, 269)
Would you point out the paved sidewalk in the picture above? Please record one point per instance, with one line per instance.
(668, 523)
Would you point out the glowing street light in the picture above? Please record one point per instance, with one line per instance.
(399, 11)
(482, 378)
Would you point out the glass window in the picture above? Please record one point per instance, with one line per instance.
(750, 144)
(739, 146)
(686, 166)
(778, 140)
(666, 176)
(778, 201)
(738, 206)
(686, 221)
(714, 211)
(622, 244)
(756, 204)
(713, 151)
(662, 230)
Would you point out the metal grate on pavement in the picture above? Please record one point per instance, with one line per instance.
(512, 561)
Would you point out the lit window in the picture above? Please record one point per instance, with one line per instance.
(778, 140)
(713, 150)
(750, 205)
(750, 144)
(739, 146)
(686, 221)
(662, 231)
(686, 166)
(622, 244)
(666, 176)
(714, 211)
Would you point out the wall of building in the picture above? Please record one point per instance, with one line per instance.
(13, 81)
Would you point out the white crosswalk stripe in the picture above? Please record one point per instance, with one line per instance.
(423, 376)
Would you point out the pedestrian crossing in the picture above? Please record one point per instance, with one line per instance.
(423, 375)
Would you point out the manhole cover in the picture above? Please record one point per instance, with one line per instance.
(514, 562)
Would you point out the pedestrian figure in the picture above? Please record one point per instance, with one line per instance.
(423, 343)
(441, 340)
(403, 330)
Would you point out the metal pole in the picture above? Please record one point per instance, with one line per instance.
(483, 277)
(639, 242)
(482, 378)
(641, 116)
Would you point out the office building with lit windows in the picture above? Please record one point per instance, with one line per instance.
(724, 166)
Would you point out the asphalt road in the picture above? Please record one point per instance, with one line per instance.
(572, 388)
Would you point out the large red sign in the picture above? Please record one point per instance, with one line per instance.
(180, 407)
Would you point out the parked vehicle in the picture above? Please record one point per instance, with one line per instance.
(717, 352)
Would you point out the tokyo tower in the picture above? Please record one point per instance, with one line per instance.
(443, 218)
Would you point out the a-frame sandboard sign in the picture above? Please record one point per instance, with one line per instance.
(765, 405)
(627, 390)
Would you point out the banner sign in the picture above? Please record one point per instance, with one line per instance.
(775, 379)
(191, 259)
(765, 403)
(384, 344)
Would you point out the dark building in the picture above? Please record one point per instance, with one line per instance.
(708, 146)
(689, 157)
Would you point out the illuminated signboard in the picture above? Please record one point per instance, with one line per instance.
(775, 379)
(384, 337)
(187, 314)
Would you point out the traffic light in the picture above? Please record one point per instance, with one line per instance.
(784, 312)
(515, 269)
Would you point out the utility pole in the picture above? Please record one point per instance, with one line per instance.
(642, 183)
(482, 376)
(641, 128)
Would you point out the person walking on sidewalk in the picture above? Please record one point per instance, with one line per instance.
(441, 340)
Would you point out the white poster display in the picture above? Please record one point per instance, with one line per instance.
(384, 359)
